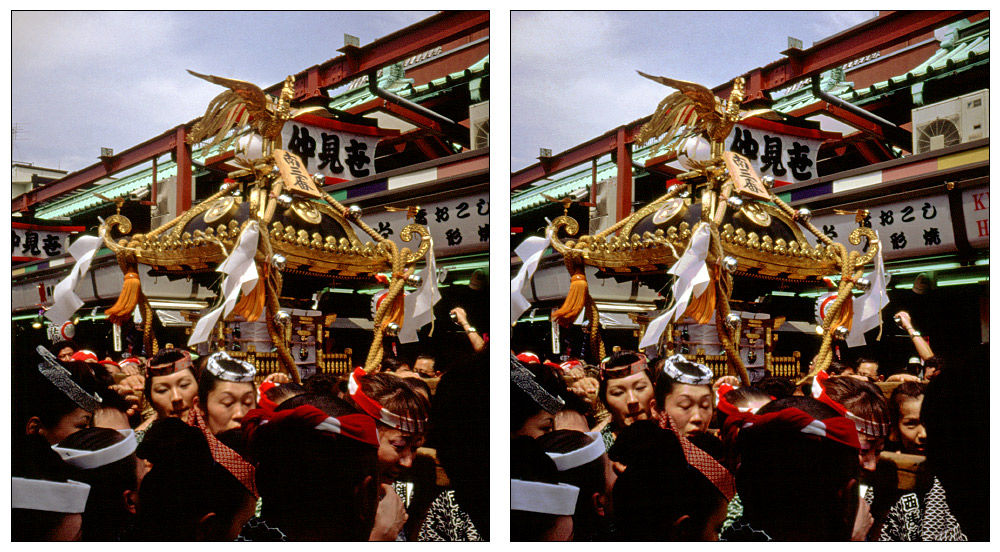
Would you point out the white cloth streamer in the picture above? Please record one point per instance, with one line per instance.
(419, 310)
(870, 304)
(530, 251)
(65, 298)
(692, 280)
(241, 275)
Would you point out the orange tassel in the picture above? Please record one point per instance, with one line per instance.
(575, 299)
(127, 299)
(395, 312)
(251, 305)
(702, 307)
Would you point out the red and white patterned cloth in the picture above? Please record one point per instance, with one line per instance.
(227, 457)
(703, 461)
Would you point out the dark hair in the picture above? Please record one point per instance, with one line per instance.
(956, 415)
(658, 485)
(861, 398)
(522, 406)
(183, 486)
(60, 345)
(934, 362)
(428, 357)
(785, 475)
(838, 368)
(207, 381)
(106, 515)
(164, 356)
(33, 458)
(861, 360)
(460, 432)
(322, 491)
(418, 385)
(47, 402)
(589, 477)
(322, 384)
(390, 364)
(776, 387)
(529, 463)
(283, 392)
(395, 395)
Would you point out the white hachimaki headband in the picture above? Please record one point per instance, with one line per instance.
(671, 367)
(69, 497)
(587, 453)
(525, 381)
(543, 498)
(90, 459)
(61, 378)
(374, 409)
(223, 373)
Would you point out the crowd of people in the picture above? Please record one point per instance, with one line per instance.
(174, 447)
(643, 449)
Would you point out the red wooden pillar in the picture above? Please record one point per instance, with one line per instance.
(184, 180)
(624, 155)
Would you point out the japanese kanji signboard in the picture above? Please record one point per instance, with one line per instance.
(340, 151)
(745, 178)
(32, 242)
(910, 228)
(293, 173)
(774, 151)
(458, 225)
(976, 207)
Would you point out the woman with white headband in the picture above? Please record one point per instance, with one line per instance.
(107, 462)
(541, 508)
(401, 419)
(684, 392)
(583, 462)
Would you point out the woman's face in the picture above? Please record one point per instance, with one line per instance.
(396, 450)
(628, 399)
(69, 424)
(65, 354)
(690, 407)
(175, 394)
(911, 429)
(228, 402)
(536, 426)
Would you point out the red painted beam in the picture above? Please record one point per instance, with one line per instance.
(624, 155)
(165, 143)
(356, 61)
(888, 29)
(597, 147)
(182, 156)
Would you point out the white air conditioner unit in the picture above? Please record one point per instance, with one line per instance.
(605, 196)
(479, 125)
(951, 122)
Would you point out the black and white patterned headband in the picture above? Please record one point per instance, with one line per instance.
(226, 374)
(672, 367)
(525, 381)
(56, 373)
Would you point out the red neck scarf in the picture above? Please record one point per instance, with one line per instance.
(227, 457)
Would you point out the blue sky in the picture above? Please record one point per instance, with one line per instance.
(85, 80)
(573, 73)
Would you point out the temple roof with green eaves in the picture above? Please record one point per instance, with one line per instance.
(963, 45)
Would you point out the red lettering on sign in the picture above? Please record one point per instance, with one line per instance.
(978, 198)
(984, 227)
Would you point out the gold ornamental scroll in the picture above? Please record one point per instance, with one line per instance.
(745, 178)
(294, 175)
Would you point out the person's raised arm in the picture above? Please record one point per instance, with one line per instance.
(923, 348)
(478, 344)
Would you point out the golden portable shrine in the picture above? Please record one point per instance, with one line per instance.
(269, 223)
(719, 224)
